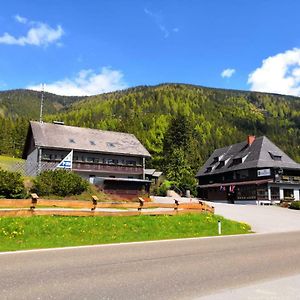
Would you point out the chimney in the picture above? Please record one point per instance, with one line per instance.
(250, 139)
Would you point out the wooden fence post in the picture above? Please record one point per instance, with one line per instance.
(95, 202)
(177, 204)
(34, 199)
(141, 200)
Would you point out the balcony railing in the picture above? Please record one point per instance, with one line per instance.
(107, 168)
(288, 179)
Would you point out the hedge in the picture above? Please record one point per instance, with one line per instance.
(59, 182)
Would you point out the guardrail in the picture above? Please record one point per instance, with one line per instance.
(37, 207)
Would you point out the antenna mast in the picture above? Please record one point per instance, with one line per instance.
(42, 103)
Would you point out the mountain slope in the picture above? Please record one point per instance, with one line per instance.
(26, 103)
(218, 117)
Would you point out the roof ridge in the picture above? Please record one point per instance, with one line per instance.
(87, 128)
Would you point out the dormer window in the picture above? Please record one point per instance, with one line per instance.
(208, 169)
(275, 156)
(221, 164)
(110, 145)
(237, 161)
(216, 159)
(244, 158)
(72, 141)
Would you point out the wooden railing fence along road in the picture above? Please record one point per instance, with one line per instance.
(40, 207)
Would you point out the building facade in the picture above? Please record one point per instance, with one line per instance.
(114, 161)
(253, 171)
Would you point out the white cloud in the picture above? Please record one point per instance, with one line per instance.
(278, 74)
(227, 73)
(86, 83)
(39, 34)
(20, 19)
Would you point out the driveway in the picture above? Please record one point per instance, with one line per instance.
(263, 219)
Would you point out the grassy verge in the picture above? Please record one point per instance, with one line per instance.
(46, 232)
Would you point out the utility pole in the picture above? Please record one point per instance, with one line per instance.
(41, 121)
(42, 103)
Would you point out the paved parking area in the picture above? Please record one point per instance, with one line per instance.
(263, 219)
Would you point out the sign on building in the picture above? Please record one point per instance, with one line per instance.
(263, 172)
(66, 163)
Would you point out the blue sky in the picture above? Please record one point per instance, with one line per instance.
(88, 47)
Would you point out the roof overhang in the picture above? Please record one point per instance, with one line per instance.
(126, 179)
(253, 182)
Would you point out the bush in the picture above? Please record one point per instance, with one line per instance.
(295, 205)
(11, 185)
(164, 187)
(59, 182)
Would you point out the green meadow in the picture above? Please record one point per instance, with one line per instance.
(19, 233)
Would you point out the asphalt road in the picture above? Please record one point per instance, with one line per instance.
(182, 269)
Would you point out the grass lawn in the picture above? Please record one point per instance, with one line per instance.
(51, 231)
(7, 163)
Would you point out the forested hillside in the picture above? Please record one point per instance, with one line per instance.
(19, 106)
(26, 103)
(217, 118)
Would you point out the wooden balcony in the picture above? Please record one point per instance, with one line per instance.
(92, 167)
(288, 179)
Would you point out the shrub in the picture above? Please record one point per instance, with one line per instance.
(59, 182)
(295, 205)
(164, 187)
(11, 185)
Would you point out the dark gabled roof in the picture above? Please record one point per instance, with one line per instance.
(257, 155)
(48, 135)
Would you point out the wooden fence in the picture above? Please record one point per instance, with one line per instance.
(40, 207)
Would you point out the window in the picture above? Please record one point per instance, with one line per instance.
(92, 143)
(275, 195)
(221, 164)
(72, 141)
(237, 161)
(275, 156)
(131, 162)
(208, 170)
(288, 194)
(45, 156)
(110, 145)
(90, 159)
(216, 159)
(111, 161)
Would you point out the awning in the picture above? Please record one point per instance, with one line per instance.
(254, 182)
